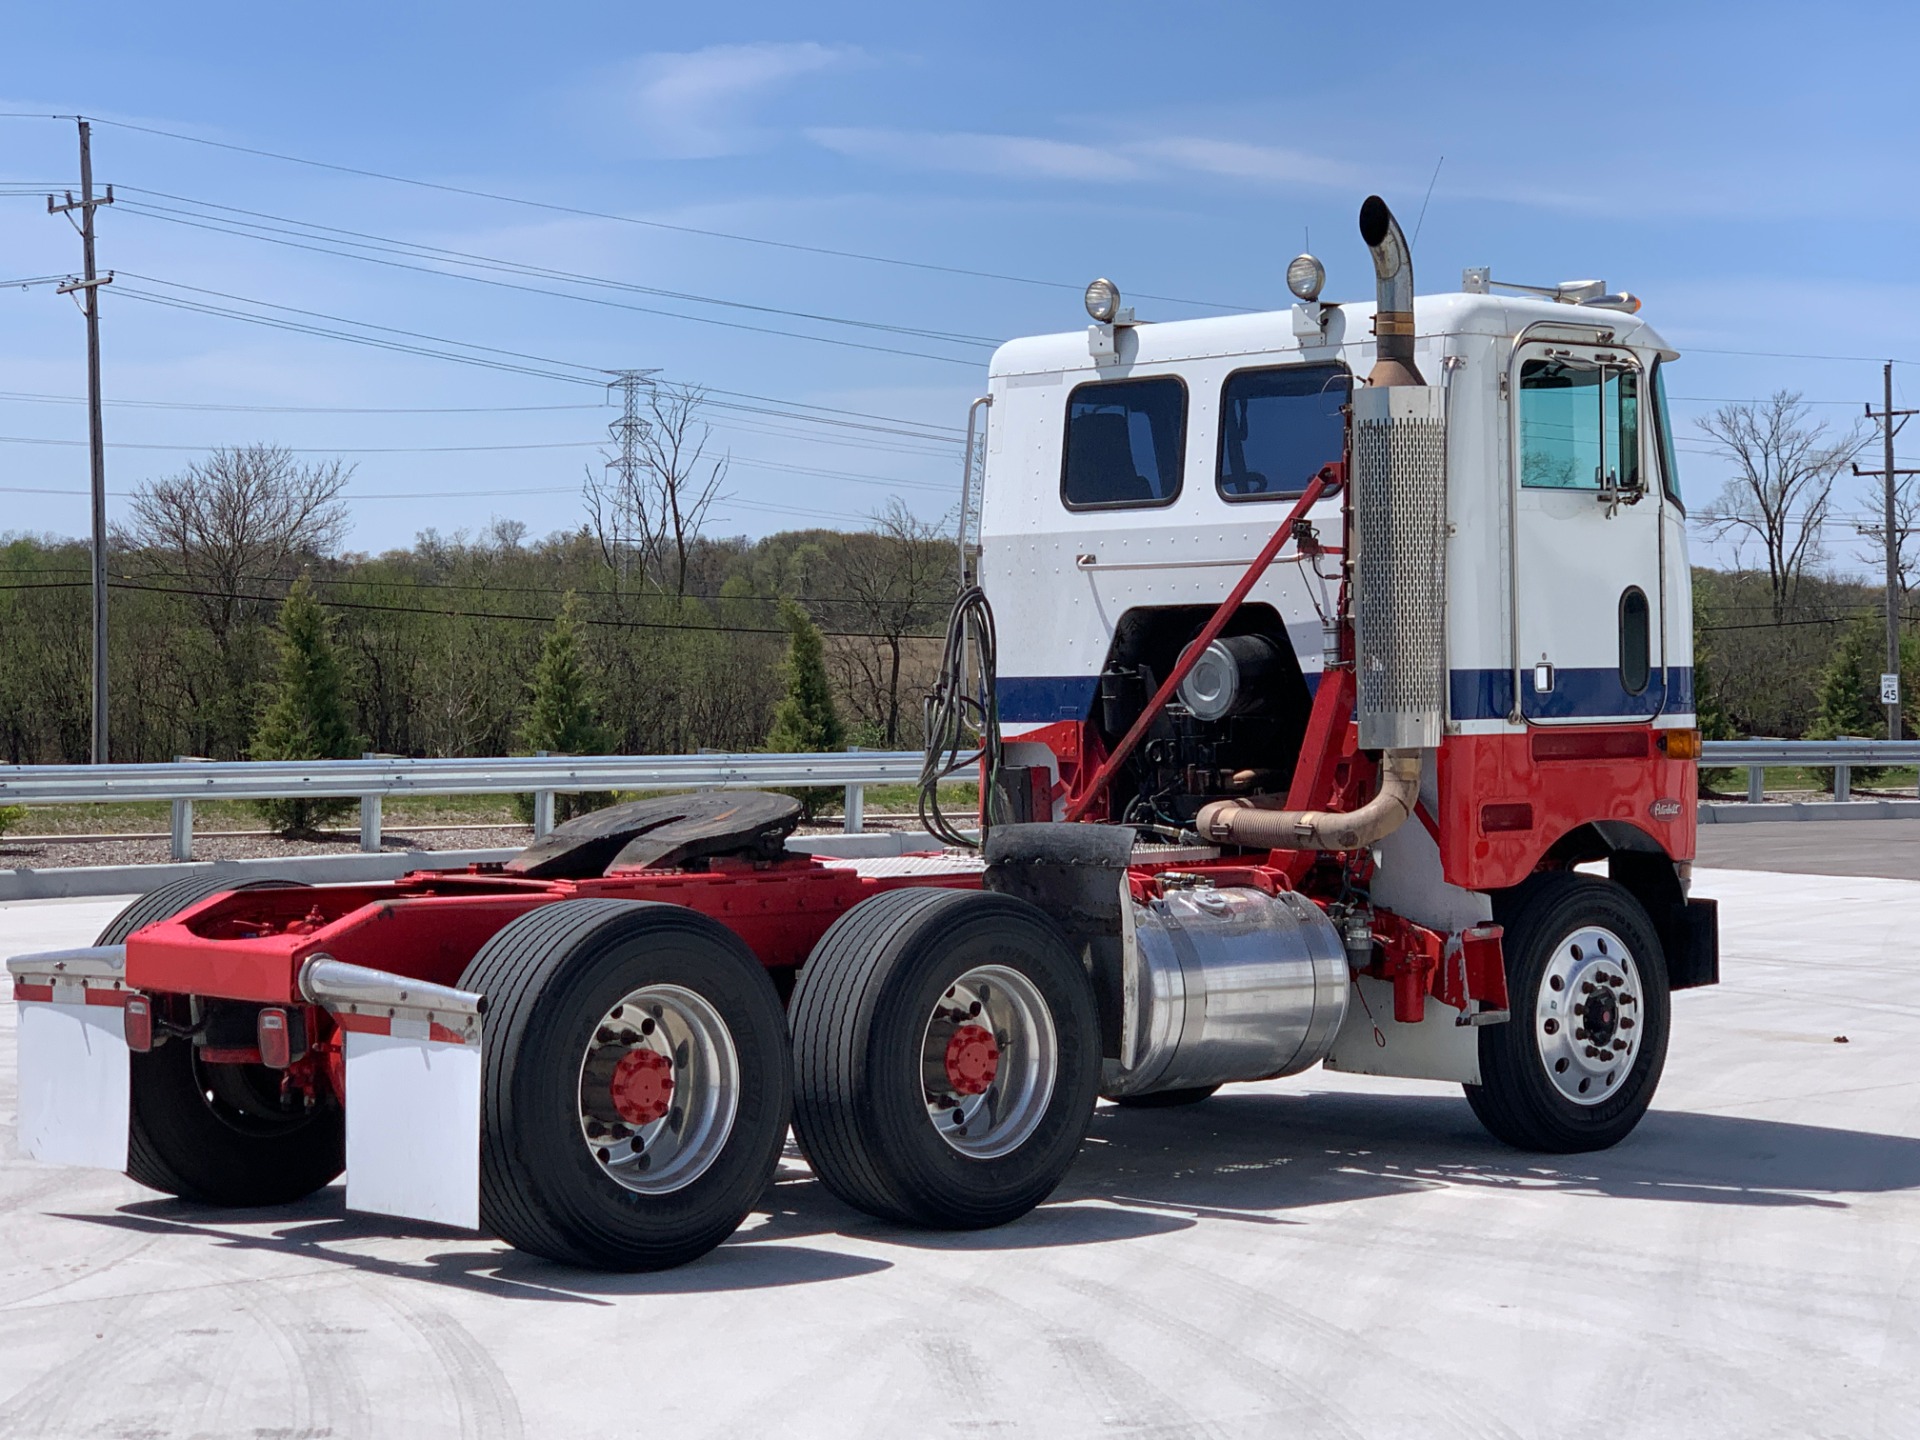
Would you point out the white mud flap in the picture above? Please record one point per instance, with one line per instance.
(72, 1052)
(74, 1091)
(413, 1090)
(413, 1127)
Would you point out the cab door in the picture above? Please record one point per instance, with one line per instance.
(1588, 626)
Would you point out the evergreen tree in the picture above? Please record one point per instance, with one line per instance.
(805, 721)
(563, 713)
(1850, 688)
(308, 717)
(1710, 711)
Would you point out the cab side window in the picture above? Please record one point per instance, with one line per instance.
(1663, 427)
(1579, 425)
(1126, 440)
(1278, 427)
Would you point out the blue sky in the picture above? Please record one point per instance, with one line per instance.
(1748, 170)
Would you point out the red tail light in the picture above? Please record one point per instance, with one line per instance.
(276, 1046)
(138, 1020)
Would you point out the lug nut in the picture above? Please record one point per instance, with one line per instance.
(1625, 1023)
(1586, 987)
(1593, 1052)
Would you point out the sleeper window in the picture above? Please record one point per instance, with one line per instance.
(1125, 441)
(1278, 427)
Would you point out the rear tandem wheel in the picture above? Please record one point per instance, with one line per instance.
(946, 1057)
(218, 1134)
(634, 1083)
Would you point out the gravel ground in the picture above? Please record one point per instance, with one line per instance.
(18, 852)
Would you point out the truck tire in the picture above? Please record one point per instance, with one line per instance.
(1577, 1065)
(215, 1133)
(908, 1106)
(635, 1083)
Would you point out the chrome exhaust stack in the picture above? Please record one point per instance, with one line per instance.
(1399, 506)
(1393, 362)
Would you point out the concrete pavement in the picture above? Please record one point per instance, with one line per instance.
(1326, 1256)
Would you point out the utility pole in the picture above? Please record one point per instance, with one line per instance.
(1890, 677)
(88, 288)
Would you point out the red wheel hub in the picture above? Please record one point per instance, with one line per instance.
(642, 1086)
(973, 1059)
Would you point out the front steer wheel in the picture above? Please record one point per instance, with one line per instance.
(634, 1083)
(947, 1057)
(1577, 1065)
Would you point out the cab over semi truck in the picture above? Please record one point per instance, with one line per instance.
(1330, 721)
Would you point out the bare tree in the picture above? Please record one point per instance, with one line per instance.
(219, 533)
(1781, 492)
(894, 584)
(243, 515)
(655, 510)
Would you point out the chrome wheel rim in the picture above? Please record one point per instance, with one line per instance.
(1588, 1016)
(989, 1060)
(659, 1088)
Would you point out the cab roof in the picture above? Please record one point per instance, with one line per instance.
(1271, 331)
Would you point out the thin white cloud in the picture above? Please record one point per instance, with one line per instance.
(703, 103)
(1238, 160)
(1027, 156)
(1037, 157)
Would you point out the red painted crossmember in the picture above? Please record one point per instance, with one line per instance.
(642, 1086)
(973, 1059)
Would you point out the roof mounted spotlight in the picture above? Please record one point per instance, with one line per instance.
(1306, 276)
(1103, 301)
(1109, 318)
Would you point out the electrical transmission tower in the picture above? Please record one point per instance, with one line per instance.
(628, 433)
(1891, 473)
(87, 286)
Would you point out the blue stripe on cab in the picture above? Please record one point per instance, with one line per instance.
(1043, 699)
(1472, 695)
(1576, 694)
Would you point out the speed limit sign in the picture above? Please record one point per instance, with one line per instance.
(1889, 689)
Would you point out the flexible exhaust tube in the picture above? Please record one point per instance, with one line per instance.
(1249, 824)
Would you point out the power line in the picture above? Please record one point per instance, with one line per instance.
(369, 605)
(360, 239)
(397, 584)
(582, 299)
(507, 360)
(39, 398)
(497, 197)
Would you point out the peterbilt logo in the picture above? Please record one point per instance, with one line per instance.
(1664, 809)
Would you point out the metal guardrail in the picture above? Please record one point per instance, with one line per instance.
(370, 781)
(1840, 756)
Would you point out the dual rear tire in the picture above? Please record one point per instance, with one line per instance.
(947, 1057)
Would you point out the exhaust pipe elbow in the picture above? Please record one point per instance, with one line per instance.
(1393, 296)
(1250, 825)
